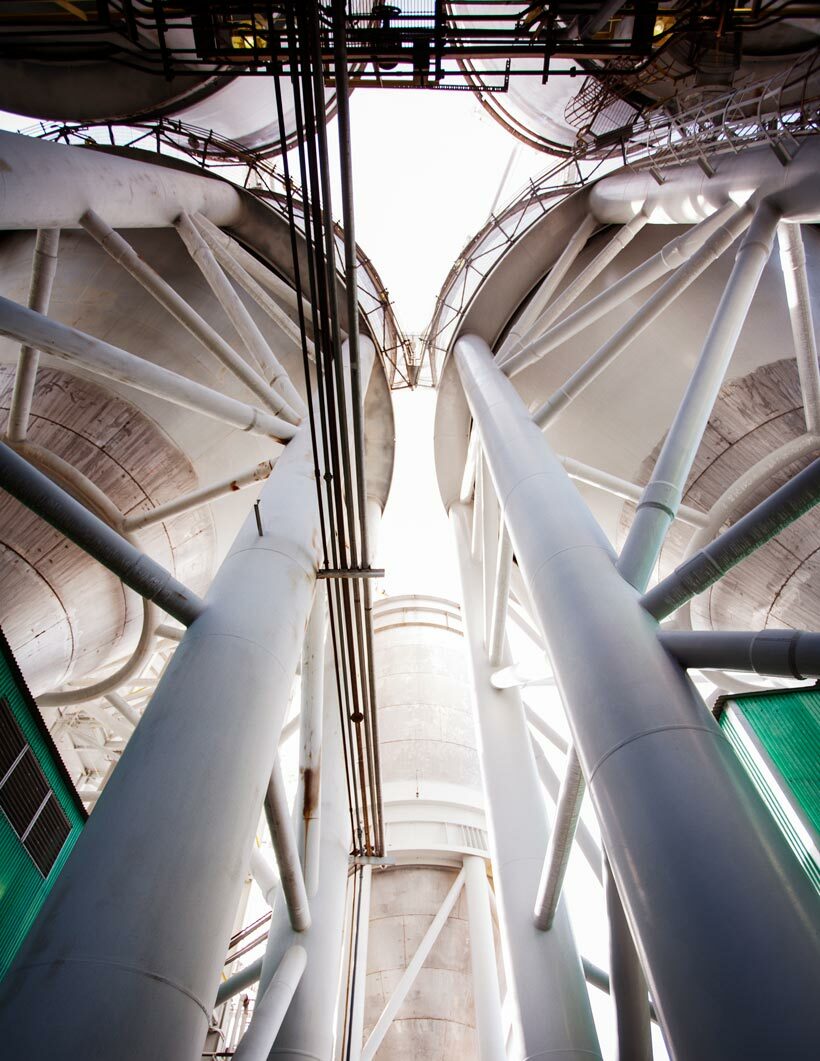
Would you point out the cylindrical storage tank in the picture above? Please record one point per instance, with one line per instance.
(433, 808)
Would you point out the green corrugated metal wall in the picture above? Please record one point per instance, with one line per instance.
(22, 888)
(787, 725)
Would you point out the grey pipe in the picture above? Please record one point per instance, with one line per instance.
(556, 860)
(37, 492)
(595, 975)
(796, 497)
(780, 653)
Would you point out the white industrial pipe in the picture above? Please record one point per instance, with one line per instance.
(798, 298)
(556, 860)
(307, 807)
(483, 963)
(271, 1008)
(287, 853)
(111, 362)
(43, 269)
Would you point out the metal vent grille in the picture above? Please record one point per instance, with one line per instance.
(26, 797)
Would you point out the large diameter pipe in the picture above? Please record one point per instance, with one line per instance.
(663, 493)
(120, 937)
(270, 1009)
(109, 361)
(644, 737)
(43, 270)
(693, 576)
(144, 575)
(550, 1005)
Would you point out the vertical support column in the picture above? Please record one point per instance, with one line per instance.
(126, 955)
(307, 1032)
(644, 738)
(550, 1006)
(486, 995)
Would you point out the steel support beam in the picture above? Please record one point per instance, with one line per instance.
(359, 985)
(308, 804)
(550, 1006)
(643, 737)
(113, 942)
(110, 362)
(43, 270)
(693, 576)
(556, 860)
(238, 982)
(57, 507)
(287, 851)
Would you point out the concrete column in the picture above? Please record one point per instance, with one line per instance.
(551, 1011)
(126, 955)
(710, 889)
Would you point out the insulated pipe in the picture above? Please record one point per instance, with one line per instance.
(626, 979)
(537, 305)
(781, 653)
(246, 327)
(556, 860)
(197, 498)
(46, 185)
(264, 874)
(308, 1030)
(501, 598)
(798, 298)
(409, 975)
(549, 1001)
(483, 962)
(307, 806)
(112, 944)
(664, 491)
(124, 254)
(239, 981)
(70, 518)
(644, 737)
(654, 306)
(271, 1008)
(287, 852)
(43, 269)
(675, 253)
(613, 484)
(108, 361)
(694, 575)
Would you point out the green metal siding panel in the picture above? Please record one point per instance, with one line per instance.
(788, 727)
(22, 888)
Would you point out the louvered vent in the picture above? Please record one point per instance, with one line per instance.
(26, 797)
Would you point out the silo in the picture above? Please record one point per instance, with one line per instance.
(435, 831)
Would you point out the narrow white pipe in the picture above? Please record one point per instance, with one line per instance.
(124, 254)
(119, 703)
(483, 962)
(309, 791)
(360, 988)
(43, 269)
(518, 335)
(197, 498)
(545, 729)
(246, 327)
(393, 1006)
(556, 860)
(675, 253)
(287, 853)
(798, 297)
(170, 633)
(501, 597)
(111, 362)
(270, 1010)
(654, 306)
(265, 875)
